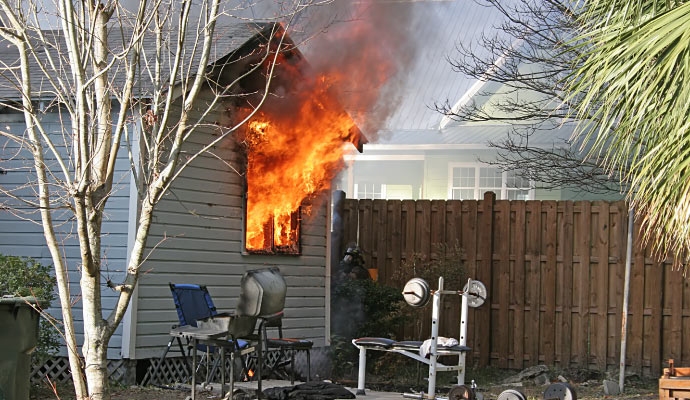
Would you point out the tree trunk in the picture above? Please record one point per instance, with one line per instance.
(95, 347)
(95, 356)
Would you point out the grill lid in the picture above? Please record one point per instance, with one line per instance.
(262, 293)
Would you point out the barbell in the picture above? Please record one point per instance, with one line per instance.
(417, 292)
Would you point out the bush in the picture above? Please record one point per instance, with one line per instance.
(361, 308)
(23, 276)
(447, 263)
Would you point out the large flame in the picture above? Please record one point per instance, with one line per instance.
(295, 141)
(291, 156)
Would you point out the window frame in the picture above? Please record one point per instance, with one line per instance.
(502, 194)
(274, 250)
(382, 193)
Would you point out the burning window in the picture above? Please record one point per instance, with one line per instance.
(293, 146)
(277, 235)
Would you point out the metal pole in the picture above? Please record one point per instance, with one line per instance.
(463, 335)
(435, 313)
(362, 371)
(626, 295)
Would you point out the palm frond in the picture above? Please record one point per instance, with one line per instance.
(633, 80)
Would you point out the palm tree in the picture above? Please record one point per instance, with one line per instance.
(632, 84)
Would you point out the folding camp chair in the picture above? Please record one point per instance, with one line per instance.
(287, 349)
(193, 302)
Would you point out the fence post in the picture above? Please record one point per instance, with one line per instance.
(485, 274)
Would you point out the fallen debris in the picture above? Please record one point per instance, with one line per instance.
(527, 374)
(611, 388)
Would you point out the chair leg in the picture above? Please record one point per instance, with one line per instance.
(259, 368)
(214, 368)
(221, 349)
(292, 366)
(308, 365)
(185, 358)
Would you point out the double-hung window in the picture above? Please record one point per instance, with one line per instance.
(471, 181)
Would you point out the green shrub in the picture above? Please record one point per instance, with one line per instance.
(361, 308)
(447, 262)
(23, 276)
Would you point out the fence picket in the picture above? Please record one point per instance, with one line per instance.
(519, 285)
(601, 294)
(502, 240)
(533, 276)
(484, 274)
(636, 327)
(379, 222)
(394, 237)
(549, 282)
(584, 246)
(566, 238)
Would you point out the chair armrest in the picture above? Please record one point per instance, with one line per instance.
(224, 314)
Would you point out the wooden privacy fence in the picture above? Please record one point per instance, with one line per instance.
(554, 271)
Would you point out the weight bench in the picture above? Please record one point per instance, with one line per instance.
(416, 293)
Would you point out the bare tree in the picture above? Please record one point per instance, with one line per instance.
(529, 58)
(110, 75)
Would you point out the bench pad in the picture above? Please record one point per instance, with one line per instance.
(374, 342)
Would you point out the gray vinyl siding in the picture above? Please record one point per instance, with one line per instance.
(198, 229)
(24, 237)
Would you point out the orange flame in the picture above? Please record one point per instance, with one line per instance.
(250, 373)
(295, 141)
(290, 158)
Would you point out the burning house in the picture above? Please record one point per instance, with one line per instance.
(260, 198)
(258, 195)
(257, 198)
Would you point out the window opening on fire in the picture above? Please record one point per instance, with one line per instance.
(277, 235)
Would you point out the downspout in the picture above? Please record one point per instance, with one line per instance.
(129, 321)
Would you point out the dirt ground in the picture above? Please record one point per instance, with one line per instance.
(588, 386)
(117, 393)
(532, 392)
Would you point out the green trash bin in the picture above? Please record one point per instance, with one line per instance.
(18, 339)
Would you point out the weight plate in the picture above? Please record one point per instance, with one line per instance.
(560, 391)
(417, 292)
(476, 293)
(512, 394)
(461, 392)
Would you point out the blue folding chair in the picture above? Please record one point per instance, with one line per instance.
(193, 302)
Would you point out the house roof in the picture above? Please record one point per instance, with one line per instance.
(432, 79)
(232, 42)
(229, 38)
(473, 136)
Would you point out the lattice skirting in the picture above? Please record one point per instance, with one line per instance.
(174, 370)
(57, 370)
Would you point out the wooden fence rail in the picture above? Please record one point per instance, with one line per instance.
(554, 271)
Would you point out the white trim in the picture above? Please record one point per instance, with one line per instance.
(351, 180)
(327, 284)
(439, 146)
(384, 157)
(456, 146)
(129, 320)
(483, 80)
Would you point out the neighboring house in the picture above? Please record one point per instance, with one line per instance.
(196, 236)
(423, 155)
(442, 164)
